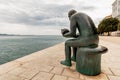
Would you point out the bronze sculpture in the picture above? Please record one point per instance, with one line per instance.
(87, 33)
(86, 38)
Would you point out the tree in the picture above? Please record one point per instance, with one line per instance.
(100, 28)
(119, 26)
(108, 25)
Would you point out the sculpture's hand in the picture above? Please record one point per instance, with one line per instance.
(63, 31)
(76, 36)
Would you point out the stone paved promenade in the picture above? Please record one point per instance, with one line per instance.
(44, 65)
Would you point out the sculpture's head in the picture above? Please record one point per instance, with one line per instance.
(71, 12)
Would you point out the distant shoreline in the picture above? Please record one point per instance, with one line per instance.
(23, 35)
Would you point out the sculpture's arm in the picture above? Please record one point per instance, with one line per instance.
(72, 32)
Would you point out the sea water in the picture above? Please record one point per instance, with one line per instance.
(13, 47)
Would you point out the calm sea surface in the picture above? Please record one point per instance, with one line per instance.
(13, 47)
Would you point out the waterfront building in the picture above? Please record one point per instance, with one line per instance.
(116, 9)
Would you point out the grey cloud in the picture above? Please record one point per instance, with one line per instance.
(37, 14)
(88, 8)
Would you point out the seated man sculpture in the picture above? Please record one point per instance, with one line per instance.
(87, 36)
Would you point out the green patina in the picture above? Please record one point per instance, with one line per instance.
(86, 51)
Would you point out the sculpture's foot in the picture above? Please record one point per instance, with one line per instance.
(73, 58)
(66, 63)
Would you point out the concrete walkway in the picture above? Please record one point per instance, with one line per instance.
(45, 65)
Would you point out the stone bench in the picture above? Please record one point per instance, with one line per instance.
(88, 60)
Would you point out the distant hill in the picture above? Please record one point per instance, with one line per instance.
(16, 35)
(8, 35)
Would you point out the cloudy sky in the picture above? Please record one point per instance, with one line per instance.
(43, 17)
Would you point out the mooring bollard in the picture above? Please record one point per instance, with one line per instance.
(88, 60)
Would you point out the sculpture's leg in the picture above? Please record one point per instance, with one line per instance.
(67, 60)
(73, 58)
(68, 44)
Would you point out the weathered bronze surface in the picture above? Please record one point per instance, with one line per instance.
(84, 42)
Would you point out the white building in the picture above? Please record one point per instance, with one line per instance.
(116, 9)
